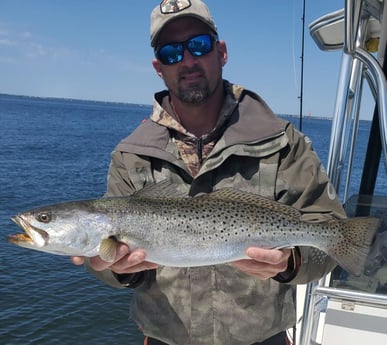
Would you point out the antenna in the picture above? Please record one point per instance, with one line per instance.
(302, 64)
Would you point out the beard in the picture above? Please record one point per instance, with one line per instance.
(196, 93)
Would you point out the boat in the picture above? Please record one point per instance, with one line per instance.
(343, 309)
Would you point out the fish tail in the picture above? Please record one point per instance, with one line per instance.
(357, 237)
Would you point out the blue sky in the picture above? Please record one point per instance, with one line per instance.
(99, 50)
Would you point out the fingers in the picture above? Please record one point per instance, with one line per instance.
(264, 263)
(277, 257)
(78, 260)
(99, 265)
(124, 262)
(132, 263)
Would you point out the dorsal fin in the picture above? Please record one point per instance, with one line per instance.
(253, 199)
(163, 189)
(166, 189)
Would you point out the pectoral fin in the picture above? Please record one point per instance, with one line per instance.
(107, 249)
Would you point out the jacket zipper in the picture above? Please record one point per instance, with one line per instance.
(199, 149)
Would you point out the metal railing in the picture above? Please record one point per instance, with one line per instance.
(357, 65)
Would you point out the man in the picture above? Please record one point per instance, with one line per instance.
(205, 134)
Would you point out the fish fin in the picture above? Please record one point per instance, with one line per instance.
(107, 249)
(253, 199)
(163, 189)
(352, 251)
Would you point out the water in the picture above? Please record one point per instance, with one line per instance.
(57, 150)
(51, 151)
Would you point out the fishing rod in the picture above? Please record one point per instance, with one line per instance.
(302, 64)
(294, 340)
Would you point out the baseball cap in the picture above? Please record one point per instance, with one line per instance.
(169, 10)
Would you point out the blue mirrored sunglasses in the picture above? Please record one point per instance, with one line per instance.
(172, 53)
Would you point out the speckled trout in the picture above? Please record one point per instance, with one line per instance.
(181, 231)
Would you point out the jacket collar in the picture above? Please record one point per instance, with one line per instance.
(244, 118)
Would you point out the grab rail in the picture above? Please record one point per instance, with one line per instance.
(380, 85)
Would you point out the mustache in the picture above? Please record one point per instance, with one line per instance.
(189, 70)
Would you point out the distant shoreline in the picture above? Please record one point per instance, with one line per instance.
(77, 100)
(83, 101)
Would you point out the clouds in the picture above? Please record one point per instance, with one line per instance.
(37, 61)
(16, 45)
(6, 42)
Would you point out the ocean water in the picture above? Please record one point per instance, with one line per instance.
(56, 150)
(52, 151)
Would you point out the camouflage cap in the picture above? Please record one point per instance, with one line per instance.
(171, 9)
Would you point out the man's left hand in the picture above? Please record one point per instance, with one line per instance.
(264, 263)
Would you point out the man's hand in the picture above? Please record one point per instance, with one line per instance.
(264, 263)
(125, 261)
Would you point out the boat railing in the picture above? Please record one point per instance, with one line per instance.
(360, 30)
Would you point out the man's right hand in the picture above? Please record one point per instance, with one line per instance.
(125, 261)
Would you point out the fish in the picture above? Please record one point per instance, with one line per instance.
(182, 231)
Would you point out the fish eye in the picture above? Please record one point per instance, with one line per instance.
(43, 217)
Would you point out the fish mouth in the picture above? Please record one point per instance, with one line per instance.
(33, 237)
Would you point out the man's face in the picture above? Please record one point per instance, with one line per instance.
(194, 79)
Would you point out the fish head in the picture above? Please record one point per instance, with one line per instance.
(66, 229)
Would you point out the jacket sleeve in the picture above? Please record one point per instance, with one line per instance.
(119, 183)
(304, 184)
(127, 174)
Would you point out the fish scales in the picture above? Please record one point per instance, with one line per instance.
(214, 231)
(180, 231)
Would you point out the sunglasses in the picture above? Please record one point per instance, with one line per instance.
(172, 53)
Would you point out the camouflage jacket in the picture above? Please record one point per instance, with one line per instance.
(252, 150)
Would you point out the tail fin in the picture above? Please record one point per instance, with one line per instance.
(357, 237)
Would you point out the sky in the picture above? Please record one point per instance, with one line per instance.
(100, 50)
